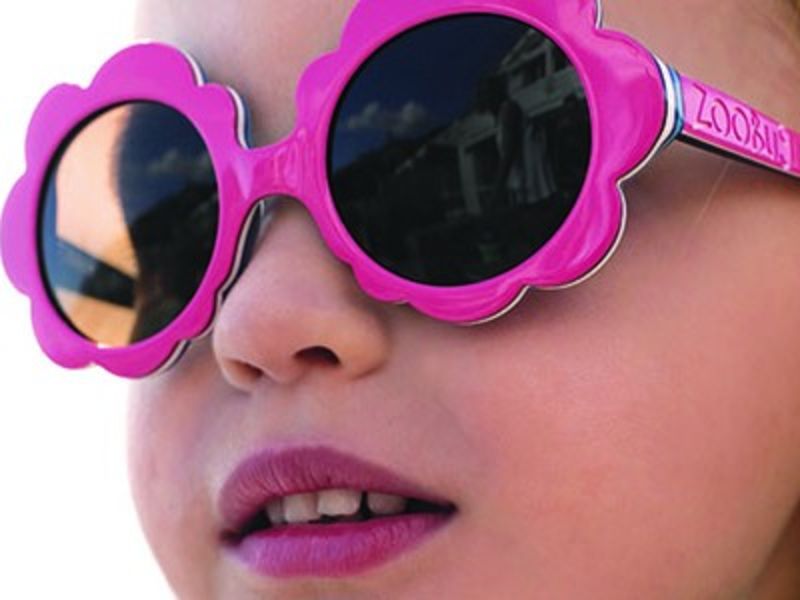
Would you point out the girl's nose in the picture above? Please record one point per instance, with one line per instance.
(297, 308)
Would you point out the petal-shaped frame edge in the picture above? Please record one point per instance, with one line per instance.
(627, 101)
(143, 72)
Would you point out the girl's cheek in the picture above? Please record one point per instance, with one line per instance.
(166, 432)
(629, 413)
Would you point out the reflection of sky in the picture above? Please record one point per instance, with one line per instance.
(421, 81)
(159, 153)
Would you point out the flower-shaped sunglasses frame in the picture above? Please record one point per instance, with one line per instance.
(637, 105)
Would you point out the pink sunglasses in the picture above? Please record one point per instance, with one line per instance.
(454, 153)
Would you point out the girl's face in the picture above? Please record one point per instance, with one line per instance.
(636, 436)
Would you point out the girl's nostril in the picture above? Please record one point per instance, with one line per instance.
(245, 374)
(318, 355)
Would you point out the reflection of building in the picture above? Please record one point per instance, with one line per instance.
(540, 79)
(486, 189)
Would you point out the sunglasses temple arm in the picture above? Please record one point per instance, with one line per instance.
(715, 121)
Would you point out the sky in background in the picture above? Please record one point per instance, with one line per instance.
(68, 524)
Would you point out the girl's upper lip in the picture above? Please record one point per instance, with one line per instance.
(276, 472)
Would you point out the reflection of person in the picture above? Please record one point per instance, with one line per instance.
(510, 131)
(540, 164)
(598, 441)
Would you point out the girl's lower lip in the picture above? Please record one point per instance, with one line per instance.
(334, 550)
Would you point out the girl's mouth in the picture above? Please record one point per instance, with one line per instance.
(313, 511)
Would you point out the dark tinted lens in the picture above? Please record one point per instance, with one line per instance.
(459, 148)
(128, 222)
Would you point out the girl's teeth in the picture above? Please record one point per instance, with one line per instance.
(304, 508)
(385, 504)
(336, 503)
(300, 508)
(275, 512)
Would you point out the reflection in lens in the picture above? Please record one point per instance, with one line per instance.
(128, 222)
(459, 149)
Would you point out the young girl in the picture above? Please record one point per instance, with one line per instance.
(634, 436)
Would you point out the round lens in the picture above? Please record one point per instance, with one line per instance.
(459, 148)
(128, 222)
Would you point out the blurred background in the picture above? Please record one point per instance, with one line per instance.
(68, 528)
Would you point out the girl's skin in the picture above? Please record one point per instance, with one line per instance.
(637, 436)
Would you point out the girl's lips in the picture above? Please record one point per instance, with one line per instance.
(336, 550)
(332, 550)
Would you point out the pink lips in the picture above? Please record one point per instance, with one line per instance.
(332, 550)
